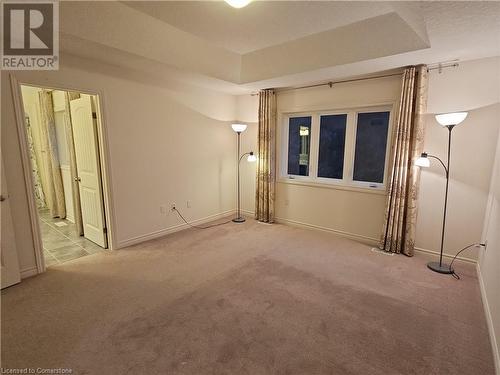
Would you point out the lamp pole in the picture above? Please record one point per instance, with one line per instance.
(239, 128)
(446, 194)
(448, 120)
(441, 267)
(238, 218)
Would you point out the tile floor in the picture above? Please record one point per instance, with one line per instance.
(61, 243)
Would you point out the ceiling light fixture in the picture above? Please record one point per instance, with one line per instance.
(238, 3)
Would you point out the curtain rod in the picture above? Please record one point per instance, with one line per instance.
(443, 65)
(439, 67)
(331, 83)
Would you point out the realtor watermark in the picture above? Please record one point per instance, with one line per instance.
(30, 35)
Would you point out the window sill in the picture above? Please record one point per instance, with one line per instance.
(324, 185)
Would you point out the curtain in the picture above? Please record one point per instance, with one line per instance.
(68, 125)
(37, 181)
(54, 191)
(398, 233)
(266, 151)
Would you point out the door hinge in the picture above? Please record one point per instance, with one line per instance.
(105, 230)
(94, 115)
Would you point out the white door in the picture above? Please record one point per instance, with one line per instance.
(89, 171)
(9, 262)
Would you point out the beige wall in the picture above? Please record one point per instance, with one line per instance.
(490, 258)
(355, 213)
(180, 137)
(166, 145)
(472, 156)
(246, 112)
(474, 87)
(248, 170)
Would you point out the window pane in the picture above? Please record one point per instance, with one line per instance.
(371, 144)
(331, 146)
(299, 139)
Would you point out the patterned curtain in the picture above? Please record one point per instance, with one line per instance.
(37, 181)
(398, 234)
(55, 190)
(77, 208)
(266, 151)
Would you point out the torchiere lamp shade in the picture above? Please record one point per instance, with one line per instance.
(239, 128)
(448, 119)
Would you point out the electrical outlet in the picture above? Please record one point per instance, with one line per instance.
(188, 204)
(163, 209)
(173, 206)
(483, 245)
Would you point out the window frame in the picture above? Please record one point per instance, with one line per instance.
(284, 145)
(327, 180)
(285, 167)
(347, 182)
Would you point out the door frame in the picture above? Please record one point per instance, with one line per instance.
(103, 139)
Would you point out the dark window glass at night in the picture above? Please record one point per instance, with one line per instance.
(332, 146)
(299, 141)
(371, 143)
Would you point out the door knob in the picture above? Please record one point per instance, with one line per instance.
(3, 197)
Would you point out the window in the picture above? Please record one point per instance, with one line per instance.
(371, 143)
(299, 141)
(331, 146)
(345, 148)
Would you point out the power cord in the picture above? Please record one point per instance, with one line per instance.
(453, 273)
(197, 226)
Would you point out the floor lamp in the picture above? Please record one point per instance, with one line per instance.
(240, 128)
(448, 120)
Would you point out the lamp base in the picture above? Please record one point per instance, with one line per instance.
(239, 220)
(443, 268)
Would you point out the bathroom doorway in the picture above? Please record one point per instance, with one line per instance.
(63, 144)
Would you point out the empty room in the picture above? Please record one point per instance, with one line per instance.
(250, 187)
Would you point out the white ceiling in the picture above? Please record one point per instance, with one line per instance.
(260, 24)
(240, 50)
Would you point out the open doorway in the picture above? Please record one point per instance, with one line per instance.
(63, 145)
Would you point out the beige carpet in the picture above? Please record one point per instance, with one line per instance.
(247, 299)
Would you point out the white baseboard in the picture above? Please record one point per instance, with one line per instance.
(176, 228)
(359, 237)
(445, 255)
(489, 320)
(28, 272)
(353, 236)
